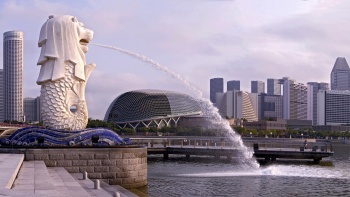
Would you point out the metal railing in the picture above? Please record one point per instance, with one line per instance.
(216, 143)
(292, 146)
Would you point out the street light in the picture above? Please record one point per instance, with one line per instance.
(302, 136)
(250, 134)
(271, 134)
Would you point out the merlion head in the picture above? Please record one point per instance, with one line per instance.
(62, 39)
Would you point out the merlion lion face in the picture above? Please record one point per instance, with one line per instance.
(85, 36)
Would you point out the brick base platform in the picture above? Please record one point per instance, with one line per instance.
(125, 166)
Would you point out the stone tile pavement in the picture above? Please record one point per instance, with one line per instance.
(9, 167)
(35, 179)
(88, 184)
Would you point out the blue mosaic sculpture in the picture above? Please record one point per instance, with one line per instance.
(30, 136)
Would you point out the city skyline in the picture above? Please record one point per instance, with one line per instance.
(242, 45)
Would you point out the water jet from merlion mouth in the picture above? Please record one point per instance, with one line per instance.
(207, 107)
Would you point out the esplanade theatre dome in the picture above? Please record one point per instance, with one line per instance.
(144, 108)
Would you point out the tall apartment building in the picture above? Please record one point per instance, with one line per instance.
(238, 104)
(340, 75)
(32, 109)
(273, 87)
(13, 75)
(270, 106)
(216, 86)
(2, 96)
(294, 99)
(233, 85)
(333, 107)
(257, 87)
(312, 90)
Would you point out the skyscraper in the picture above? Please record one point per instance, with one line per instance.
(238, 104)
(2, 95)
(273, 87)
(32, 109)
(13, 75)
(257, 87)
(233, 85)
(312, 90)
(333, 107)
(294, 99)
(340, 75)
(270, 106)
(216, 86)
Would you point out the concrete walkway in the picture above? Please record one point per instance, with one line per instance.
(9, 167)
(65, 184)
(34, 179)
(108, 190)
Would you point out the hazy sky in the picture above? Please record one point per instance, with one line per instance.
(199, 39)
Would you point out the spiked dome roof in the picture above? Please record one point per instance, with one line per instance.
(140, 105)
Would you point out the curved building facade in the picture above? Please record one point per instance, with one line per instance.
(13, 75)
(145, 108)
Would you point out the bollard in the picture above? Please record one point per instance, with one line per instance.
(97, 184)
(85, 175)
(116, 194)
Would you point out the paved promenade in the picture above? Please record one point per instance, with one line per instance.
(32, 178)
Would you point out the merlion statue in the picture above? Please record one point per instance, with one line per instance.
(64, 73)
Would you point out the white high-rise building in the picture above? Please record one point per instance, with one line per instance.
(13, 75)
(238, 104)
(294, 99)
(312, 90)
(333, 107)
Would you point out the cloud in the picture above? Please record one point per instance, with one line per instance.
(242, 40)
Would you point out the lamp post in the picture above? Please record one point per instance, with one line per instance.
(271, 134)
(250, 134)
(302, 136)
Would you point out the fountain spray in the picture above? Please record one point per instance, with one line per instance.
(206, 106)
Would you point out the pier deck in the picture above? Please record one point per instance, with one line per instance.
(201, 147)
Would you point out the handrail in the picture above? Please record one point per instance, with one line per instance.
(182, 142)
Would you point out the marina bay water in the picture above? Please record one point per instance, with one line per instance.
(207, 107)
(200, 177)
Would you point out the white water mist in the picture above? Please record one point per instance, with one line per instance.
(206, 106)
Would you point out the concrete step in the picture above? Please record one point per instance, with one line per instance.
(9, 167)
(109, 189)
(34, 177)
(66, 185)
